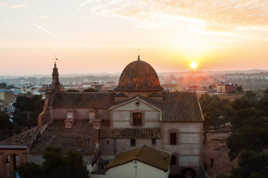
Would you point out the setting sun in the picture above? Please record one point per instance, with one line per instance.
(193, 65)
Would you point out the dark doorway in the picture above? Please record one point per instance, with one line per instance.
(173, 160)
(189, 173)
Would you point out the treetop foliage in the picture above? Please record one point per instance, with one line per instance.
(56, 165)
(249, 138)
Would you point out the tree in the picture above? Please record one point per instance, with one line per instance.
(30, 170)
(27, 111)
(251, 165)
(4, 121)
(57, 165)
(3, 85)
(5, 126)
(249, 132)
(249, 125)
(216, 111)
(263, 103)
(249, 100)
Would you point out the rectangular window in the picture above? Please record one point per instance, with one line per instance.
(132, 142)
(137, 118)
(173, 138)
(153, 141)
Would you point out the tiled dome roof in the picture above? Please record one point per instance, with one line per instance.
(139, 76)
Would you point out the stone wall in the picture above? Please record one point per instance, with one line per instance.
(123, 145)
(115, 146)
(189, 142)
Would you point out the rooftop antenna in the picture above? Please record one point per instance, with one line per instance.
(139, 57)
(56, 59)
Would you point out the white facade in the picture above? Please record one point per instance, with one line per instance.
(189, 142)
(189, 134)
(136, 169)
(122, 114)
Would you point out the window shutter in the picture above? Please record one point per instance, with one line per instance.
(173, 138)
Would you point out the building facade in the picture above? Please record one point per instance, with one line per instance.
(137, 112)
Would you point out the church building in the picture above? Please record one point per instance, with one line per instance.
(137, 113)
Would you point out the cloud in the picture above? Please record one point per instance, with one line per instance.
(43, 17)
(218, 14)
(43, 29)
(3, 3)
(17, 6)
(84, 3)
(12, 6)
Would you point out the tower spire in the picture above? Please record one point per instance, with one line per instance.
(55, 77)
(139, 57)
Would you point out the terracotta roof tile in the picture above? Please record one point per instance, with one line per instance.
(139, 76)
(179, 106)
(96, 100)
(145, 154)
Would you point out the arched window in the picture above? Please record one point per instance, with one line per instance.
(173, 138)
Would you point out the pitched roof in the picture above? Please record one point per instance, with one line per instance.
(24, 138)
(145, 154)
(79, 138)
(96, 100)
(178, 106)
(175, 106)
(181, 106)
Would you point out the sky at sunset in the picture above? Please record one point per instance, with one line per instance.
(94, 36)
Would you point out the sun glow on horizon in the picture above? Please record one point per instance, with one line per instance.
(193, 65)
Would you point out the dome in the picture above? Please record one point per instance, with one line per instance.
(139, 76)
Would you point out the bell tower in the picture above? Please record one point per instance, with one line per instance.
(55, 86)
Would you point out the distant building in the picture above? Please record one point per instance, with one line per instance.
(226, 88)
(170, 87)
(7, 98)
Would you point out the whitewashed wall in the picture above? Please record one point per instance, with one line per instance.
(136, 169)
(121, 116)
(123, 145)
(189, 142)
